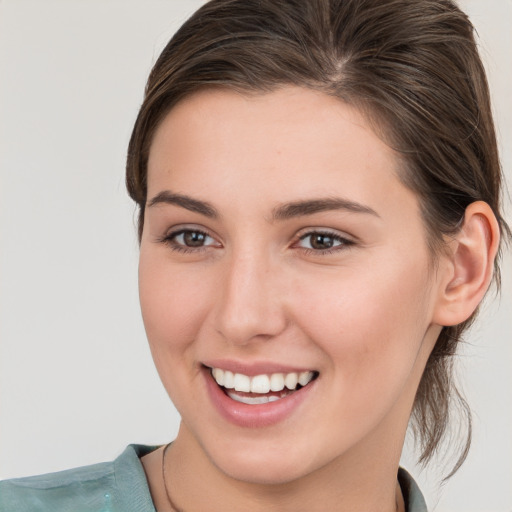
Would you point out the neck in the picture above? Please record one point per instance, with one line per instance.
(347, 483)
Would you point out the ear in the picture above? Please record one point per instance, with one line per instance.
(467, 270)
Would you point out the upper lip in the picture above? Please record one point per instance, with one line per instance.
(254, 368)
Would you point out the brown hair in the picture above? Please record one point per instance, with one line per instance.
(411, 66)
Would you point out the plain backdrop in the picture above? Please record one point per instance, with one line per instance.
(76, 378)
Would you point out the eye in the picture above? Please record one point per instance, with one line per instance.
(193, 238)
(187, 240)
(323, 242)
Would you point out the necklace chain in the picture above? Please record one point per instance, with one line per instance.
(174, 508)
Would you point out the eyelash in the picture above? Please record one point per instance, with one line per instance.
(344, 243)
(170, 240)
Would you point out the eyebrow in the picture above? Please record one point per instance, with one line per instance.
(187, 202)
(312, 206)
(281, 212)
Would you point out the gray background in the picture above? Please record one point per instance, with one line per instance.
(76, 379)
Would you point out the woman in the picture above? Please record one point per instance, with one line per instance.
(319, 195)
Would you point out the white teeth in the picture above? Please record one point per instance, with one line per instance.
(252, 400)
(277, 382)
(291, 380)
(305, 378)
(261, 383)
(242, 383)
(229, 379)
(218, 375)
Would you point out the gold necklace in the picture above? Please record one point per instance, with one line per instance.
(174, 508)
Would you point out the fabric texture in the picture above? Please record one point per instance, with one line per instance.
(118, 486)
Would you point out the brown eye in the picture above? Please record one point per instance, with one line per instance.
(321, 242)
(194, 238)
(190, 239)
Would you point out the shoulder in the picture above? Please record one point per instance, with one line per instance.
(414, 500)
(65, 490)
(119, 485)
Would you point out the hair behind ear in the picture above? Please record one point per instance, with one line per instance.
(467, 265)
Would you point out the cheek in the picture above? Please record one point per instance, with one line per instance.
(172, 303)
(370, 324)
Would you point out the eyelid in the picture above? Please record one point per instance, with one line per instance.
(170, 235)
(335, 233)
(346, 240)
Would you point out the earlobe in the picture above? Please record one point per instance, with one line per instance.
(468, 272)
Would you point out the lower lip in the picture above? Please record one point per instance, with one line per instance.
(258, 415)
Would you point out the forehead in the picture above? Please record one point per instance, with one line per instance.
(283, 145)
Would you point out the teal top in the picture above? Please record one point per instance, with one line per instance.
(118, 486)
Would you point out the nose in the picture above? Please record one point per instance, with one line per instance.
(250, 307)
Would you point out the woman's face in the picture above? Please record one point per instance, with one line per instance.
(279, 245)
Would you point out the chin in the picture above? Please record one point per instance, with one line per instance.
(261, 466)
(267, 472)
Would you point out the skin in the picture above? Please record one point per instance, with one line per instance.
(365, 314)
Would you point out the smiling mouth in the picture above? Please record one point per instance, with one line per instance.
(261, 389)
